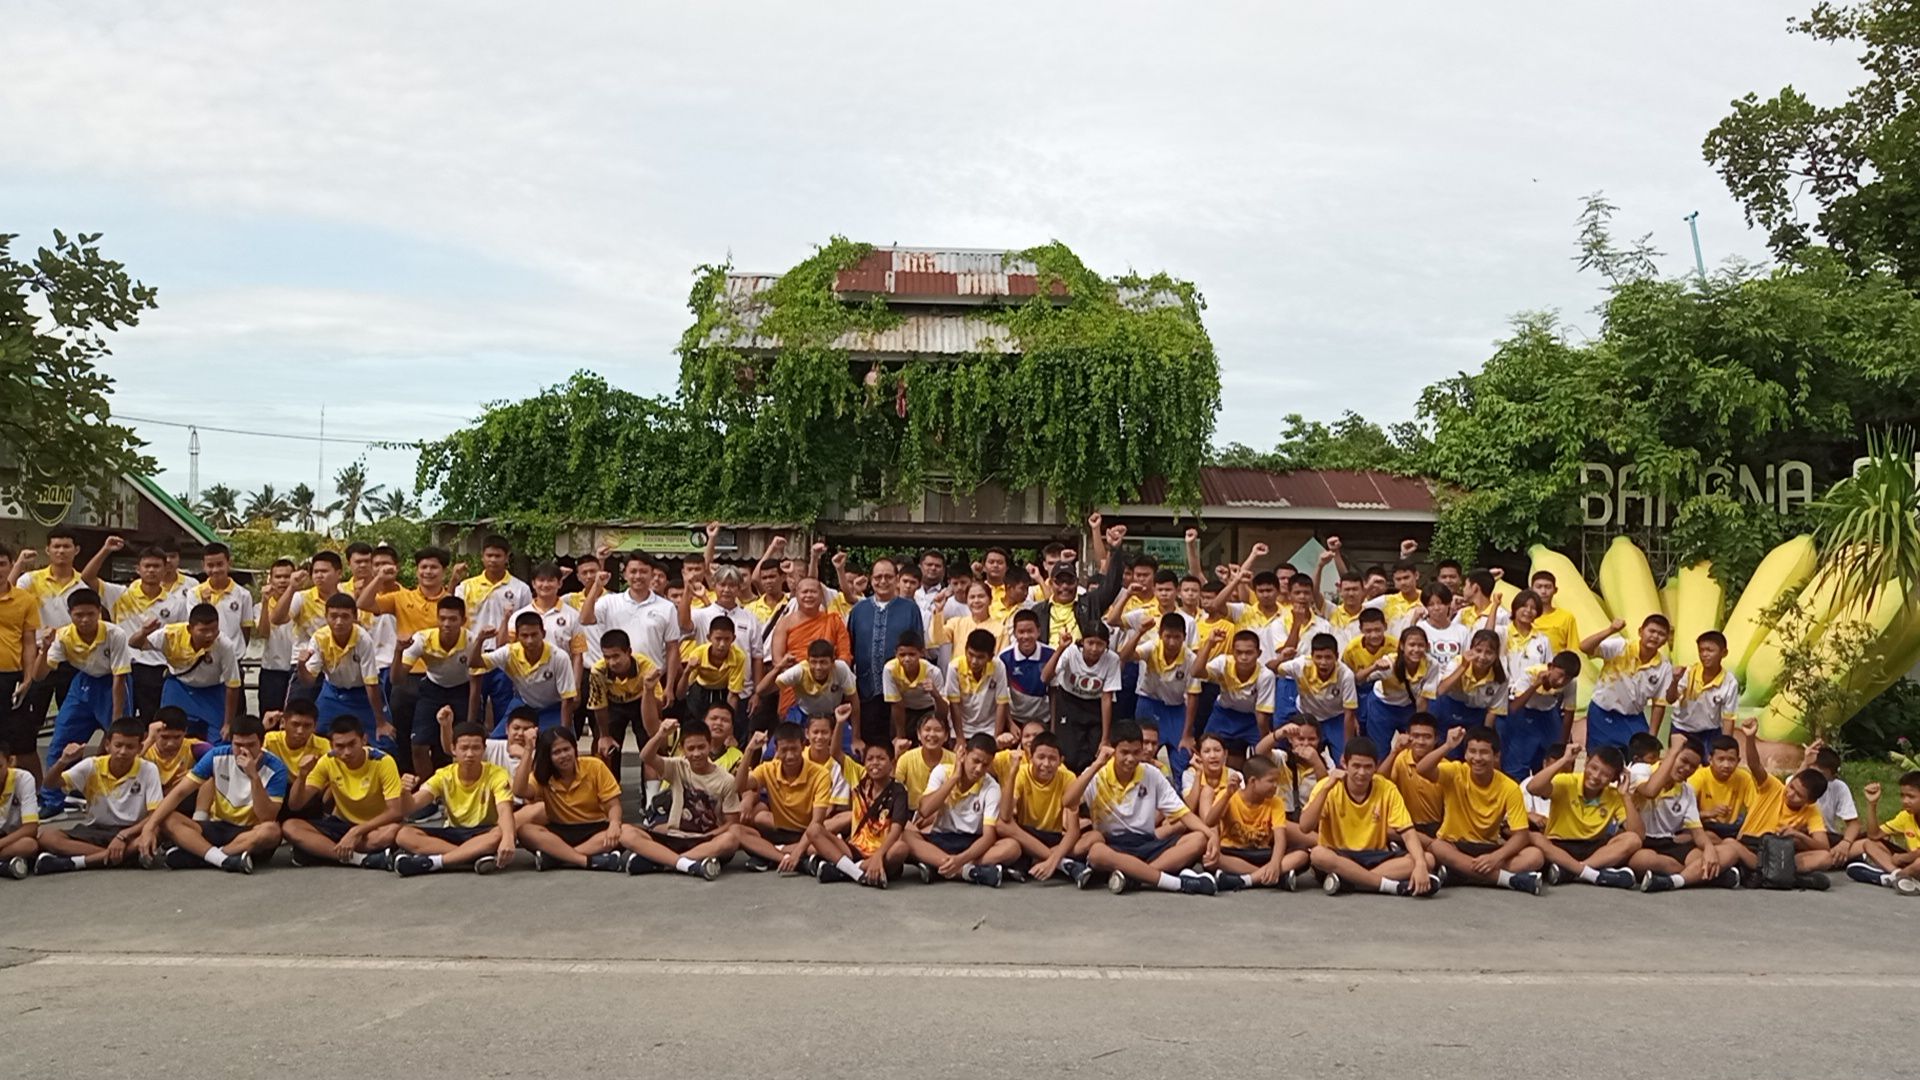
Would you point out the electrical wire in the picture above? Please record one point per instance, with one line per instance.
(398, 444)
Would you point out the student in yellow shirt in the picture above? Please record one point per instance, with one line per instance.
(1781, 808)
(1563, 634)
(478, 797)
(915, 765)
(1253, 834)
(1426, 804)
(1356, 816)
(291, 736)
(1723, 789)
(798, 794)
(168, 747)
(1034, 811)
(1485, 838)
(578, 822)
(623, 693)
(1891, 852)
(711, 671)
(1675, 850)
(1592, 830)
(368, 803)
(979, 616)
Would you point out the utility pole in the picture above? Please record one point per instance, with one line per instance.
(1693, 226)
(193, 465)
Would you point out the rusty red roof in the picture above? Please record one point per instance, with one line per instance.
(1279, 493)
(942, 275)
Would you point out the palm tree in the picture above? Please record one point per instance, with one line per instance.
(1869, 523)
(267, 506)
(305, 509)
(219, 507)
(396, 504)
(350, 483)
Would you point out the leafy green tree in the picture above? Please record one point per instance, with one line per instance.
(1351, 442)
(267, 505)
(219, 507)
(1856, 162)
(394, 504)
(56, 310)
(306, 510)
(350, 484)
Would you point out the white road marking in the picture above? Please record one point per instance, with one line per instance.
(806, 969)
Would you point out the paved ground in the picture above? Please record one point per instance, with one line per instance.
(755, 975)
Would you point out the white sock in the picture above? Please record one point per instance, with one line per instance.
(1589, 875)
(966, 869)
(358, 858)
(1389, 886)
(79, 862)
(438, 861)
(685, 865)
(653, 790)
(1503, 879)
(1886, 880)
(848, 867)
(1168, 883)
(214, 856)
(1678, 881)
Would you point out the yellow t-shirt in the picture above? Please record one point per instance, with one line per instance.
(604, 688)
(171, 768)
(1346, 825)
(1251, 826)
(1477, 814)
(1572, 815)
(1037, 805)
(912, 771)
(727, 671)
(359, 795)
(1770, 812)
(1723, 803)
(468, 805)
(792, 801)
(412, 612)
(1422, 796)
(276, 744)
(19, 616)
(1359, 658)
(1558, 625)
(579, 802)
(1903, 829)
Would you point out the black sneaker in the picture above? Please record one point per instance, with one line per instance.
(708, 870)
(990, 876)
(1406, 887)
(49, 863)
(15, 868)
(1117, 883)
(412, 865)
(1555, 875)
(1330, 884)
(1530, 883)
(486, 864)
(640, 864)
(1728, 878)
(542, 862)
(1228, 881)
(379, 860)
(1010, 874)
(1651, 882)
(1813, 881)
(1082, 875)
(1290, 881)
(237, 864)
(1867, 874)
(149, 862)
(1195, 883)
(809, 864)
(1617, 878)
(614, 861)
(759, 865)
(826, 873)
(180, 858)
(921, 870)
(295, 858)
(1445, 875)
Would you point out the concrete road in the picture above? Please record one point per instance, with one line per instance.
(328, 970)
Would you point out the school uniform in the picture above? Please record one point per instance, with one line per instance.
(1626, 685)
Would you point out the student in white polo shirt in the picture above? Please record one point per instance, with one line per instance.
(230, 599)
(541, 675)
(1126, 798)
(953, 832)
(341, 653)
(1703, 697)
(446, 679)
(978, 699)
(561, 619)
(120, 791)
(131, 607)
(203, 670)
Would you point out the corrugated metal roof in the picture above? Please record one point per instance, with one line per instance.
(917, 334)
(1328, 489)
(935, 274)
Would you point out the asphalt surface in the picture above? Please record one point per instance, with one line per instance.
(328, 970)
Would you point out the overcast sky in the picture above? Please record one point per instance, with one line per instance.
(407, 210)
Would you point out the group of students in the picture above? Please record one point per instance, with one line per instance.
(948, 722)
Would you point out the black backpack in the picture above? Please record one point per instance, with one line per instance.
(1777, 869)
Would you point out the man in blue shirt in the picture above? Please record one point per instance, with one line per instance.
(875, 626)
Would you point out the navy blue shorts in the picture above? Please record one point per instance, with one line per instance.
(1367, 859)
(1047, 837)
(457, 834)
(1143, 846)
(953, 843)
(1257, 856)
(220, 833)
(331, 827)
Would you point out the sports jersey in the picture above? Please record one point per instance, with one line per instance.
(968, 809)
(489, 602)
(315, 748)
(651, 624)
(19, 800)
(1903, 829)
(792, 800)
(1559, 629)
(107, 654)
(217, 664)
(171, 767)
(443, 665)
(1477, 813)
(130, 608)
(582, 800)
(1627, 683)
(1250, 826)
(1346, 825)
(1705, 705)
(118, 801)
(1444, 643)
(472, 805)
(976, 699)
(1722, 802)
(1572, 814)
(714, 669)
(605, 689)
(1162, 678)
(1322, 697)
(1037, 805)
(233, 789)
(1073, 674)
(1770, 813)
(818, 697)
(51, 594)
(1670, 811)
(913, 769)
(541, 681)
(917, 690)
(1426, 803)
(874, 813)
(1241, 694)
(1132, 804)
(359, 794)
(236, 608)
(345, 666)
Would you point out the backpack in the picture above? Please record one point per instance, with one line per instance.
(1777, 869)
